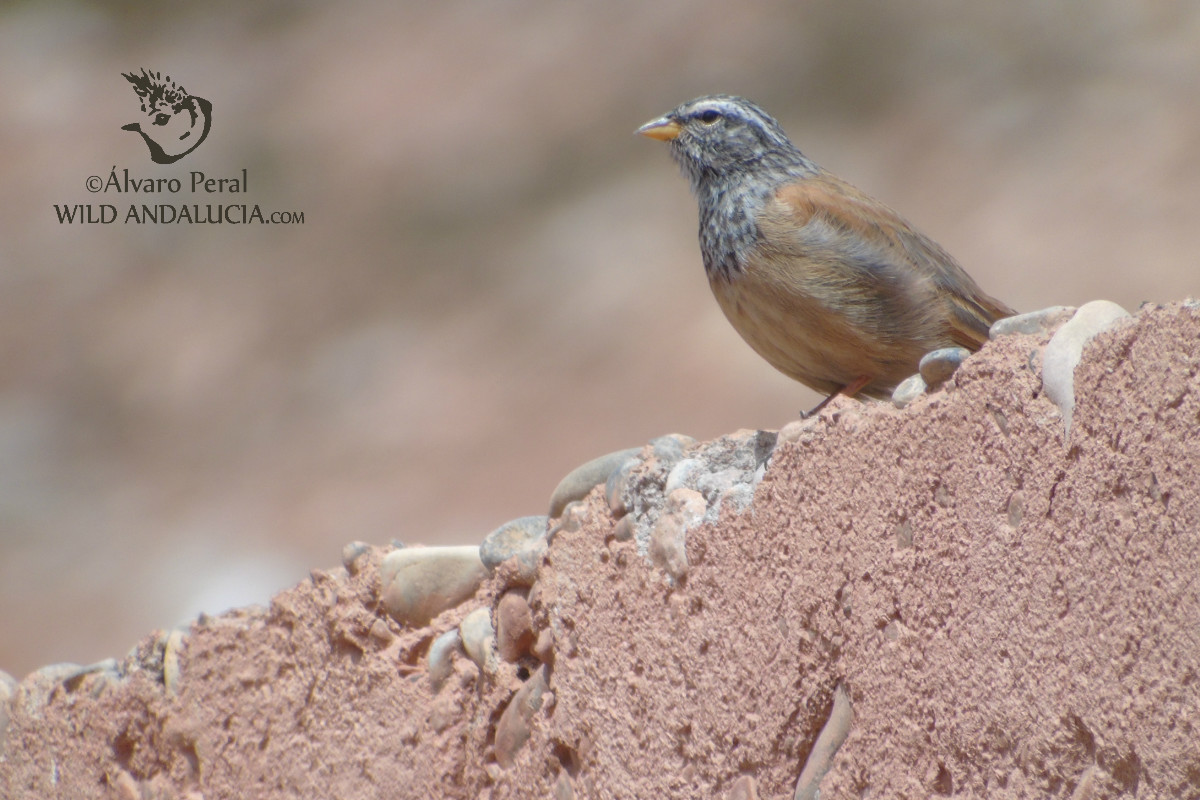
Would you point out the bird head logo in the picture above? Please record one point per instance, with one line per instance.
(176, 122)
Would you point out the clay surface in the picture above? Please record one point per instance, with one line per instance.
(1009, 612)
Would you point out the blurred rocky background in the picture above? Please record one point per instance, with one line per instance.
(495, 281)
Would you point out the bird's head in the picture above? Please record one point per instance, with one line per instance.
(721, 135)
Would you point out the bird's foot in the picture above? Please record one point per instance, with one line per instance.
(850, 389)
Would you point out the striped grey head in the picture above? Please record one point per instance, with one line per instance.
(721, 136)
(735, 155)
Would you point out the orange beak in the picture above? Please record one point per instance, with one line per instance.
(662, 129)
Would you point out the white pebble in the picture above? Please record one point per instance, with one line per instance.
(441, 656)
(479, 639)
(1065, 350)
(909, 390)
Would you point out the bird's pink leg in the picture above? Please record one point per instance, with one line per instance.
(850, 389)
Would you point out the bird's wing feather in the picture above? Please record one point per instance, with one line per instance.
(830, 215)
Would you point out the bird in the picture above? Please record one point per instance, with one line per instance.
(832, 287)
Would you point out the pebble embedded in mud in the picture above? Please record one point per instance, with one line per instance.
(418, 583)
(623, 530)
(574, 516)
(35, 689)
(1065, 350)
(688, 504)
(738, 497)
(95, 678)
(581, 480)
(172, 649)
(479, 639)
(938, 365)
(820, 758)
(441, 656)
(1044, 320)
(381, 633)
(616, 486)
(515, 725)
(681, 475)
(514, 626)
(909, 390)
(668, 547)
(352, 555)
(668, 539)
(795, 431)
(523, 538)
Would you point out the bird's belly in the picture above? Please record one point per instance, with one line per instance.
(806, 338)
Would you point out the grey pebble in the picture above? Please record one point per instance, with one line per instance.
(1065, 349)
(909, 390)
(523, 538)
(441, 657)
(479, 639)
(938, 365)
(586, 477)
(1031, 323)
(352, 555)
(421, 582)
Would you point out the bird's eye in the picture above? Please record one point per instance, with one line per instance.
(709, 116)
